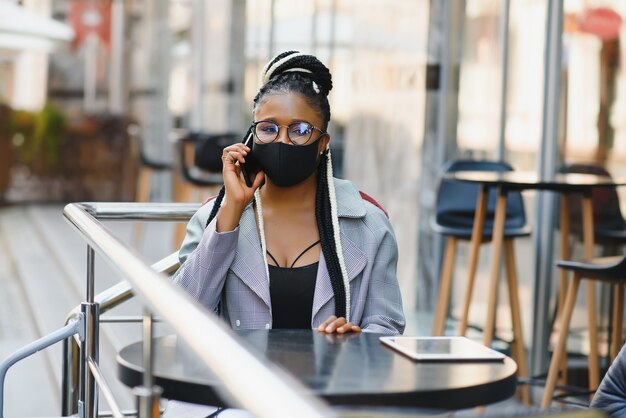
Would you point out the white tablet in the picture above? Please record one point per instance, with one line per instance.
(442, 349)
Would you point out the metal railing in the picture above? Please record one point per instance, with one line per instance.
(78, 382)
(107, 300)
(247, 382)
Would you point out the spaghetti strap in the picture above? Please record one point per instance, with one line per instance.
(303, 252)
(275, 261)
(297, 258)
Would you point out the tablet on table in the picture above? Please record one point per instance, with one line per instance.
(442, 349)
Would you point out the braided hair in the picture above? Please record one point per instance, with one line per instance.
(292, 71)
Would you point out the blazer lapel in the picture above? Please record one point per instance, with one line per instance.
(249, 263)
(355, 260)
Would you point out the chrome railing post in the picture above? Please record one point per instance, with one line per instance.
(148, 395)
(88, 400)
(70, 377)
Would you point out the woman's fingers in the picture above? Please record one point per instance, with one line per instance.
(234, 153)
(338, 325)
(348, 327)
(233, 156)
(239, 195)
(326, 323)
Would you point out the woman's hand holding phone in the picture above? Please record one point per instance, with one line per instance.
(238, 193)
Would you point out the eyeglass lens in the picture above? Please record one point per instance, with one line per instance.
(299, 132)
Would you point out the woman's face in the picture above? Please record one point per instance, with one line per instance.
(286, 108)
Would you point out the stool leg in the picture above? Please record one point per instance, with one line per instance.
(565, 255)
(143, 195)
(618, 315)
(441, 312)
(143, 185)
(563, 366)
(516, 320)
(477, 237)
(594, 366)
(179, 234)
(496, 256)
(182, 193)
(561, 346)
(564, 248)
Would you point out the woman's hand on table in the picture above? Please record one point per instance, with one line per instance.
(338, 325)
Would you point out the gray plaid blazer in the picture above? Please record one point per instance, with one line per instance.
(227, 269)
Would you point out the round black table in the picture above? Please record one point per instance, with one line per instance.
(521, 180)
(354, 369)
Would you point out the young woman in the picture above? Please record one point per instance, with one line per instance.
(299, 248)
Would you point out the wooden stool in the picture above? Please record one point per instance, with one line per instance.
(608, 269)
(609, 232)
(457, 203)
(454, 218)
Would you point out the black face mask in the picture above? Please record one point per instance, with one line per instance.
(286, 165)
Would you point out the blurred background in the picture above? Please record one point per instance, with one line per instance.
(92, 91)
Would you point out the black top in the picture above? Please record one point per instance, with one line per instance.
(291, 292)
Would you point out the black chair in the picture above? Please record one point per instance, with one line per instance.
(200, 164)
(454, 218)
(608, 269)
(609, 223)
(200, 157)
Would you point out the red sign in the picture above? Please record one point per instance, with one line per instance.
(88, 17)
(602, 22)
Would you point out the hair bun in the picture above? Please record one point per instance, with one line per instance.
(307, 65)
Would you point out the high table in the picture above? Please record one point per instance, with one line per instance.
(353, 369)
(565, 185)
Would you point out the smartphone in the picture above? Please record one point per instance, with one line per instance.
(251, 167)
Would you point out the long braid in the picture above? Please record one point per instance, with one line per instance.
(332, 200)
(329, 239)
(259, 217)
(216, 205)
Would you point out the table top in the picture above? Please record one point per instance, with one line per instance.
(353, 369)
(570, 182)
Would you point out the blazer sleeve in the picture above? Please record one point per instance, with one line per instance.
(611, 394)
(383, 312)
(205, 258)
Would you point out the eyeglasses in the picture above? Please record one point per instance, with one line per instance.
(299, 133)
